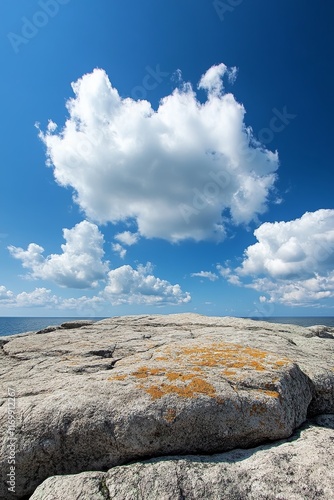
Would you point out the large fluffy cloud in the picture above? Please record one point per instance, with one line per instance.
(181, 171)
(292, 262)
(140, 286)
(79, 265)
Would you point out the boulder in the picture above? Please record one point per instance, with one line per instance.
(298, 468)
(133, 387)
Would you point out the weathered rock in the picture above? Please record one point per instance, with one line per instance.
(76, 324)
(130, 387)
(298, 468)
(322, 331)
(48, 329)
(68, 325)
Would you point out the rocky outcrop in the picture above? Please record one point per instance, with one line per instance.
(67, 325)
(127, 388)
(294, 468)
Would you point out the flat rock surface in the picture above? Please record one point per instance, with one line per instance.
(123, 388)
(298, 468)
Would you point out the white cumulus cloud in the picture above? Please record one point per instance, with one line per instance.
(182, 171)
(293, 262)
(139, 286)
(127, 238)
(40, 297)
(79, 265)
(117, 248)
(5, 295)
(82, 304)
(44, 298)
(205, 274)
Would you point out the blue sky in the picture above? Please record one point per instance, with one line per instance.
(166, 156)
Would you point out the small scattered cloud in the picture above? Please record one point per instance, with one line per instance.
(292, 262)
(205, 274)
(139, 286)
(127, 238)
(5, 294)
(184, 171)
(79, 265)
(83, 303)
(229, 275)
(44, 298)
(40, 297)
(117, 248)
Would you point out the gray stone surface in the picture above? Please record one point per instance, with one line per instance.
(98, 396)
(298, 468)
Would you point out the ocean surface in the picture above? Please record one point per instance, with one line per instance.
(299, 320)
(11, 326)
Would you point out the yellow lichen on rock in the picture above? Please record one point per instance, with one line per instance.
(186, 370)
(196, 387)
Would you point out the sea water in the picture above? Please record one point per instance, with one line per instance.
(13, 325)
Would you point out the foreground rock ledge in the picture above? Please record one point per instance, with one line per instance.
(107, 393)
(298, 468)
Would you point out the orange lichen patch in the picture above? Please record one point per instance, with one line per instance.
(271, 394)
(117, 377)
(228, 372)
(197, 369)
(282, 362)
(196, 387)
(144, 372)
(170, 415)
(255, 353)
(154, 391)
(179, 376)
(225, 354)
(185, 368)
